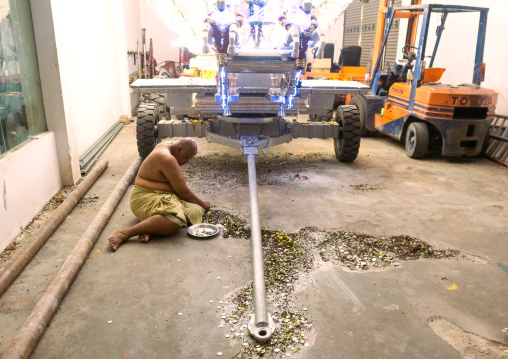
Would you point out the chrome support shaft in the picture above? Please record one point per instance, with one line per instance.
(261, 325)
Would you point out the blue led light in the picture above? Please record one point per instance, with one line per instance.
(224, 102)
(295, 89)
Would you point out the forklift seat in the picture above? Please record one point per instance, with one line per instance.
(350, 56)
(433, 74)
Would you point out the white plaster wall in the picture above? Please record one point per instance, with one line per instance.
(92, 54)
(29, 177)
(160, 34)
(458, 44)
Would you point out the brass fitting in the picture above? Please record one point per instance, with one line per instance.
(300, 63)
(222, 58)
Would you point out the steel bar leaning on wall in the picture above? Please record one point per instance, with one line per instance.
(87, 159)
(23, 255)
(33, 328)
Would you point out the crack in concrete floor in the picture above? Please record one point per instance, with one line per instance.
(470, 345)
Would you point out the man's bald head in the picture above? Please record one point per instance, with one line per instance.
(188, 144)
(184, 150)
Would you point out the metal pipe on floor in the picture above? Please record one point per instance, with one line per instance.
(33, 328)
(261, 325)
(23, 255)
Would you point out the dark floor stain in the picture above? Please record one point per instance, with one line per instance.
(503, 266)
(364, 187)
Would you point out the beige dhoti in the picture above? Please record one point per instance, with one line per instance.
(146, 203)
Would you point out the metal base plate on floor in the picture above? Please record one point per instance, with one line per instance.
(261, 331)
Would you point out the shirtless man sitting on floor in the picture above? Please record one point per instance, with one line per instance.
(160, 197)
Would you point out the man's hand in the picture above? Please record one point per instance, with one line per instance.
(206, 206)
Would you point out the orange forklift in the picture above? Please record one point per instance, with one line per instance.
(408, 103)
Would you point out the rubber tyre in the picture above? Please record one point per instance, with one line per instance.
(347, 144)
(146, 128)
(417, 140)
(328, 116)
(361, 102)
(161, 100)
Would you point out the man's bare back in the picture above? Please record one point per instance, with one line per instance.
(150, 175)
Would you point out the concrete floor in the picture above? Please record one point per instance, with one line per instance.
(409, 311)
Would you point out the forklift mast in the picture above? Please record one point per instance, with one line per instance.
(412, 12)
(412, 27)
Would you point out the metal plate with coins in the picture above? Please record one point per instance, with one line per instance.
(203, 230)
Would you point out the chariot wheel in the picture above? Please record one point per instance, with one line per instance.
(360, 102)
(146, 128)
(347, 144)
(160, 99)
(328, 116)
(417, 139)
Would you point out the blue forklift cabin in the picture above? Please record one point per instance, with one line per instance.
(427, 10)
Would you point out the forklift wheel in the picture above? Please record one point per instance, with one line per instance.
(347, 144)
(417, 139)
(146, 128)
